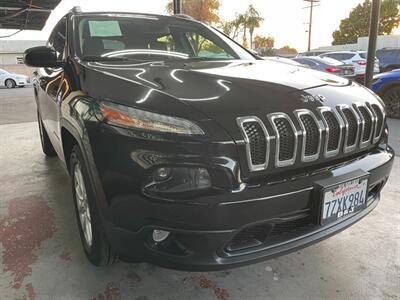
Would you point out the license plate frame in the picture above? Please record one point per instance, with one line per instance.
(328, 185)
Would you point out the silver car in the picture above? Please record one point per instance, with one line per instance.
(11, 80)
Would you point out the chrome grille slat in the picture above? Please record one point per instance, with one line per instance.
(368, 124)
(380, 117)
(284, 131)
(334, 127)
(352, 127)
(332, 131)
(310, 127)
(254, 142)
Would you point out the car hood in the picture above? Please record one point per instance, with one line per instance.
(222, 90)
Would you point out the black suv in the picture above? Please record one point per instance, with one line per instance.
(187, 151)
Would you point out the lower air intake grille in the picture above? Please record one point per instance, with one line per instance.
(290, 226)
(250, 237)
(268, 232)
(257, 142)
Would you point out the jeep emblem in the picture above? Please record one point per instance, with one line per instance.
(312, 98)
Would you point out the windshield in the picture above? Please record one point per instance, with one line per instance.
(130, 37)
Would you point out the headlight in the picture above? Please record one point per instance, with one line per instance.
(178, 180)
(120, 115)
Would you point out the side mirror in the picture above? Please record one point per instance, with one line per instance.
(41, 56)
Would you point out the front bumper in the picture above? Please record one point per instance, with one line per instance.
(202, 229)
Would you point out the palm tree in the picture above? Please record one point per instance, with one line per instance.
(252, 20)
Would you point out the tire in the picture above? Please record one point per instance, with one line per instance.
(10, 83)
(391, 98)
(47, 147)
(94, 241)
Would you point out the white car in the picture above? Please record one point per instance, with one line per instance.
(356, 58)
(11, 80)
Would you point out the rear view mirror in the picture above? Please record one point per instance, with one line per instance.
(41, 56)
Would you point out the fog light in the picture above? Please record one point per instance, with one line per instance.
(160, 235)
(162, 174)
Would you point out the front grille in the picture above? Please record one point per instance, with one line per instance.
(380, 121)
(311, 134)
(334, 131)
(286, 139)
(352, 129)
(358, 126)
(257, 142)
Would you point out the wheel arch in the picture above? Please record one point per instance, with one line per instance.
(387, 87)
(10, 78)
(68, 141)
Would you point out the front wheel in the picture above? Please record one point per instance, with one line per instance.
(391, 98)
(94, 241)
(10, 83)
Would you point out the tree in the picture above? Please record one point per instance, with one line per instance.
(288, 49)
(357, 24)
(264, 42)
(252, 20)
(202, 10)
(264, 45)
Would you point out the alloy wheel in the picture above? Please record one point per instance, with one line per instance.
(9, 84)
(82, 204)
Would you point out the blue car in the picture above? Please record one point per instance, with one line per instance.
(387, 85)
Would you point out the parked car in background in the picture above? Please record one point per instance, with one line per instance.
(356, 58)
(328, 65)
(310, 53)
(389, 59)
(11, 80)
(284, 60)
(387, 85)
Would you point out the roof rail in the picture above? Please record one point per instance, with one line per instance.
(183, 16)
(76, 9)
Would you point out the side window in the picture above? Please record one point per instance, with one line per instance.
(203, 47)
(337, 56)
(347, 56)
(58, 38)
(165, 43)
(308, 62)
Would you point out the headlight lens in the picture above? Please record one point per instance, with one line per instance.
(179, 180)
(130, 117)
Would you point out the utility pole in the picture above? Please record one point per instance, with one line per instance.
(373, 36)
(311, 20)
(177, 7)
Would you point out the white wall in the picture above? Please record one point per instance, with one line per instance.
(384, 41)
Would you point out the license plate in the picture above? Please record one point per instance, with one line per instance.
(344, 199)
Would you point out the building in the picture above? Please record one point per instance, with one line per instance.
(12, 51)
(384, 41)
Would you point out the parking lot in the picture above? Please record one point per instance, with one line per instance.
(41, 255)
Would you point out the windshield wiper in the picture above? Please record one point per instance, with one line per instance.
(104, 58)
(208, 58)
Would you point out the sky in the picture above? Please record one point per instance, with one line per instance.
(285, 20)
